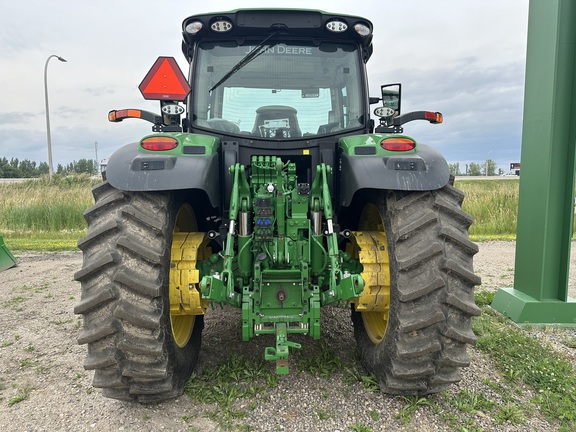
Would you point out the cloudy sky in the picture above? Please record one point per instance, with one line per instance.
(465, 59)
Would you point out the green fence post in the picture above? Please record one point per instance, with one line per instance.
(546, 202)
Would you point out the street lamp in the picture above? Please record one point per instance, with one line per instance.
(487, 156)
(48, 113)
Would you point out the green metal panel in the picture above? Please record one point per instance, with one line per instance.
(523, 308)
(7, 260)
(546, 203)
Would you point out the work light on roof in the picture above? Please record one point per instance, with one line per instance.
(221, 26)
(337, 26)
(362, 29)
(194, 27)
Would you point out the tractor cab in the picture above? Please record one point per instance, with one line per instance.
(288, 84)
(275, 87)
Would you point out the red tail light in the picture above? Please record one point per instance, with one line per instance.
(397, 144)
(158, 143)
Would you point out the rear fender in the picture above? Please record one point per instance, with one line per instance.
(422, 170)
(131, 170)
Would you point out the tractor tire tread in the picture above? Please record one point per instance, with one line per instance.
(124, 297)
(432, 301)
(94, 298)
(137, 283)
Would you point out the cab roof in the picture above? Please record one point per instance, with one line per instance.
(294, 24)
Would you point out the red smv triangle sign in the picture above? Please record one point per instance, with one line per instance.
(164, 81)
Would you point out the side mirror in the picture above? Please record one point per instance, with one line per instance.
(390, 119)
(391, 96)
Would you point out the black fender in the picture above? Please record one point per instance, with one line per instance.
(130, 170)
(422, 171)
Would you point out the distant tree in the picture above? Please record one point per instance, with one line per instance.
(28, 168)
(15, 168)
(8, 171)
(474, 169)
(500, 171)
(84, 166)
(3, 163)
(454, 169)
(489, 168)
(43, 168)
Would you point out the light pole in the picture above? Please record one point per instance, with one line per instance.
(487, 156)
(96, 150)
(48, 113)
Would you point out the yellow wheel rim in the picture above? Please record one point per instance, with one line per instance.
(182, 328)
(372, 250)
(188, 246)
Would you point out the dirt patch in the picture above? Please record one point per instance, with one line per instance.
(41, 364)
(495, 264)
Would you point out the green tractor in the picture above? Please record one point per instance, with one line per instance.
(275, 191)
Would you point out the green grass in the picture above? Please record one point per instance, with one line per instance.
(472, 402)
(23, 394)
(235, 379)
(45, 242)
(325, 364)
(520, 357)
(412, 404)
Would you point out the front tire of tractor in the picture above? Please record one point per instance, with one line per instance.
(125, 297)
(418, 346)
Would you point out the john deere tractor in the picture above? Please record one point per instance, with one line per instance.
(270, 186)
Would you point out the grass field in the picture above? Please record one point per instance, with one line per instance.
(43, 215)
(494, 207)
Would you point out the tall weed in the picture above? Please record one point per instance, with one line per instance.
(40, 206)
(493, 205)
(53, 209)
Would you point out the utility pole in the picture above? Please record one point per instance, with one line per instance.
(96, 151)
(50, 170)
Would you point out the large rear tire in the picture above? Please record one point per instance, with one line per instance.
(417, 344)
(125, 296)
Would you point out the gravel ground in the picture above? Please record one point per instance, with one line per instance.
(39, 357)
